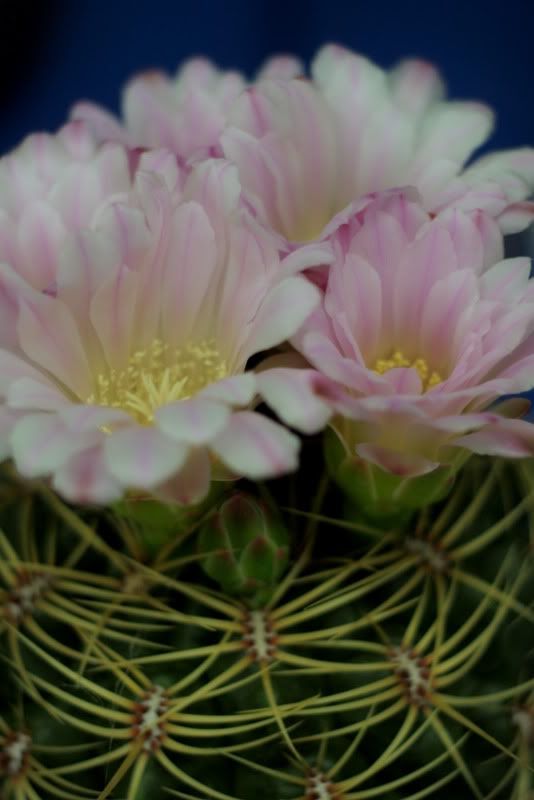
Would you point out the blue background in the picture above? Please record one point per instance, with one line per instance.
(58, 51)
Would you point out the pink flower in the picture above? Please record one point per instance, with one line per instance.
(421, 328)
(133, 375)
(185, 114)
(51, 186)
(309, 151)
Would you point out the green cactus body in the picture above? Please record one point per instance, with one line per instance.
(269, 655)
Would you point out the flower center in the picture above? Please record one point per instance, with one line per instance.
(158, 375)
(429, 378)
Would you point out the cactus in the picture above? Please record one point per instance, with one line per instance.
(271, 648)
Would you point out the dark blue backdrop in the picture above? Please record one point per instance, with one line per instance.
(56, 52)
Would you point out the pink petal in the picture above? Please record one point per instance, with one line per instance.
(84, 478)
(49, 337)
(455, 130)
(13, 368)
(103, 124)
(516, 217)
(438, 184)
(196, 421)
(36, 394)
(416, 85)
(41, 234)
(466, 238)
(191, 484)
(297, 396)
(402, 464)
(506, 281)
(126, 235)
(305, 257)
(237, 390)
(164, 164)
(323, 354)
(281, 68)
(12, 289)
(286, 156)
(445, 303)
(428, 259)
(256, 447)
(84, 419)
(506, 438)
(41, 444)
(85, 263)
(143, 457)
(112, 315)
(281, 314)
(513, 172)
(189, 269)
(214, 184)
(404, 380)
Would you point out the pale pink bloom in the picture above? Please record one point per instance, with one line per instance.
(51, 186)
(308, 151)
(421, 328)
(185, 113)
(132, 376)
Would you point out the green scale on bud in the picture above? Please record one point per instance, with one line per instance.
(245, 547)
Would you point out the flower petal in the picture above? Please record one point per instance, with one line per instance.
(49, 337)
(297, 397)
(41, 444)
(35, 395)
(112, 314)
(256, 447)
(143, 457)
(402, 464)
(188, 270)
(196, 421)
(237, 390)
(191, 484)
(281, 314)
(84, 478)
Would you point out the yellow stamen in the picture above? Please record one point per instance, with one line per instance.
(157, 375)
(398, 359)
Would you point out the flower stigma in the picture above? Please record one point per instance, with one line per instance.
(158, 375)
(429, 378)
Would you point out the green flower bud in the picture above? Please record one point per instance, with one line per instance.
(245, 548)
(156, 523)
(382, 495)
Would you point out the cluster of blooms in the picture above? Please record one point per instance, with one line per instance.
(144, 263)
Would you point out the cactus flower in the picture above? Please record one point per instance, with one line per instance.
(186, 113)
(421, 328)
(132, 376)
(309, 151)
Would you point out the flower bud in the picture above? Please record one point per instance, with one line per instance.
(245, 548)
(382, 495)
